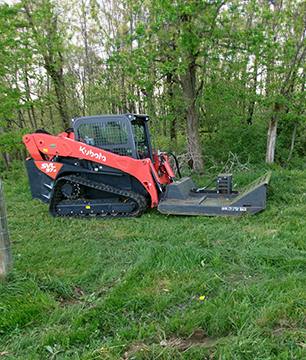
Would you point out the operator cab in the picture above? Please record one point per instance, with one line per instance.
(125, 135)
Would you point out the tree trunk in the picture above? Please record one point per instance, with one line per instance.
(42, 115)
(83, 101)
(272, 133)
(60, 91)
(7, 159)
(271, 140)
(188, 81)
(173, 123)
(50, 105)
(21, 121)
(251, 106)
(31, 111)
(173, 135)
(87, 74)
(124, 96)
(293, 137)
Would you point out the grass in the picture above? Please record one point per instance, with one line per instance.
(131, 288)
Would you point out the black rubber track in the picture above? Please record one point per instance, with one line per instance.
(140, 200)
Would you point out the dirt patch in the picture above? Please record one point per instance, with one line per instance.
(197, 338)
(133, 349)
(77, 297)
(284, 325)
(74, 298)
(278, 331)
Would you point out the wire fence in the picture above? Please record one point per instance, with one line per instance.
(5, 249)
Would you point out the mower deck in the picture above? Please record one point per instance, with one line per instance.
(182, 198)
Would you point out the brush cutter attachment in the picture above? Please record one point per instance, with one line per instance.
(183, 198)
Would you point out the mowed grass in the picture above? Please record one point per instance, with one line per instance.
(157, 287)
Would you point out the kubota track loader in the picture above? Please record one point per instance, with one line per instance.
(105, 166)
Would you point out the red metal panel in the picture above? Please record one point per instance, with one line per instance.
(50, 146)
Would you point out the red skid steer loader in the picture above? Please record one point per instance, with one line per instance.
(105, 166)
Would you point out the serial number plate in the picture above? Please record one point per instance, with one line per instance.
(234, 208)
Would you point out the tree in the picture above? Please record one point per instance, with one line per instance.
(48, 42)
(179, 36)
(287, 39)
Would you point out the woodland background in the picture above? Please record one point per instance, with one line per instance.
(218, 78)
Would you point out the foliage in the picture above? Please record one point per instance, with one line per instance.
(10, 141)
(244, 62)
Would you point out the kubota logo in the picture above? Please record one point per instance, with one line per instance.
(92, 154)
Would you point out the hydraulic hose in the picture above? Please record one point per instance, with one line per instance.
(177, 165)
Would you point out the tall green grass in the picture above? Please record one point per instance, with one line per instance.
(134, 288)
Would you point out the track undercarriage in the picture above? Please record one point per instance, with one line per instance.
(77, 196)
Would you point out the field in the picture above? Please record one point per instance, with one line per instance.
(157, 287)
